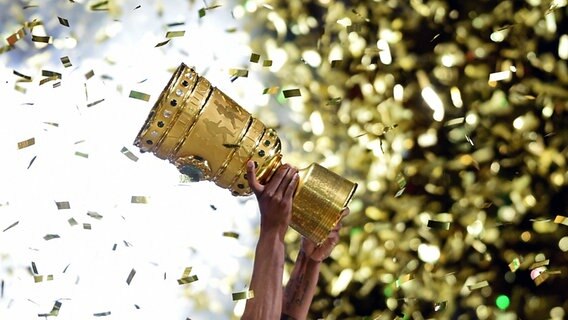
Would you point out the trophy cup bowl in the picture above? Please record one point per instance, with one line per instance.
(208, 136)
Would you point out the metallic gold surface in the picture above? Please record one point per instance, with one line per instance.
(208, 136)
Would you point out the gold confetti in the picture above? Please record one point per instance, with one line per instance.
(175, 34)
(499, 76)
(53, 74)
(539, 264)
(26, 143)
(34, 268)
(46, 80)
(267, 63)
(478, 285)
(94, 103)
(62, 205)
(63, 21)
(129, 154)
(57, 84)
(100, 6)
(336, 63)
(185, 277)
(238, 72)
(94, 215)
(231, 234)
(401, 180)
(139, 95)
(23, 76)
(66, 62)
(87, 226)
(16, 36)
(50, 236)
(203, 11)
(254, 57)
(72, 222)
(244, 295)
(291, 93)
(11, 226)
(538, 280)
(38, 278)
(139, 199)
(440, 225)
(561, 220)
(231, 30)
(162, 43)
(403, 279)
(20, 89)
(81, 154)
(271, 90)
(130, 276)
(89, 74)
(54, 311)
(102, 314)
(440, 306)
(42, 39)
(230, 145)
(515, 264)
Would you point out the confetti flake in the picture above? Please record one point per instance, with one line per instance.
(244, 295)
(63, 22)
(231, 234)
(336, 63)
(440, 225)
(129, 154)
(62, 205)
(541, 278)
(34, 268)
(100, 6)
(48, 73)
(130, 276)
(81, 154)
(87, 226)
(478, 285)
(539, 264)
(404, 279)
(46, 80)
(238, 73)
(139, 95)
(72, 222)
(163, 43)
(26, 143)
(102, 314)
(515, 264)
(66, 62)
(15, 37)
(267, 63)
(254, 57)
(401, 180)
(440, 306)
(54, 311)
(23, 76)
(271, 90)
(92, 104)
(291, 93)
(231, 145)
(185, 277)
(89, 74)
(42, 39)
(175, 34)
(48, 237)
(561, 220)
(499, 76)
(94, 215)
(11, 226)
(139, 199)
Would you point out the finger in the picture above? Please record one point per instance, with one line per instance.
(256, 187)
(345, 212)
(286, 181)
(272, 185)
(291, 188)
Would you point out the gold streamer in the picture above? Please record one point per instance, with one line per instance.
(243, 295)
(26, 143)
(139, 95)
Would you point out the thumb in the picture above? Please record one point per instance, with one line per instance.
(256, 187)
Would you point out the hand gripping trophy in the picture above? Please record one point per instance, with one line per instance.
(208, 136)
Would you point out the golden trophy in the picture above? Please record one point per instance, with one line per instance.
(208, 136)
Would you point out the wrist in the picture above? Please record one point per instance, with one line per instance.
(302, 255)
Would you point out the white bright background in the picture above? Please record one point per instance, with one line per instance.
(180, 226)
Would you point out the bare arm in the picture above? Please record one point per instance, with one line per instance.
(301, 287)
(275, 202)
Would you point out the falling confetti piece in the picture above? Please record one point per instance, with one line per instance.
(231, 234)
(94, 215)
(213, 207)
(515, 264)
(81, 154)
(63, 21)
(539, 264)
(54, 311)
(561, 220)
(175, 34)
(139, 199)
(541, 278)
(336, 63)
(46, 80)
(440, 306)
(187, 280)
(48, 73)
(34, 268)
(87, 226)
(100, 6)
(31, 162)
(139, 95)
(92, 104)
(254, 57)
(267, 63)
(478, 285)
(66, 62)
(48, 237)
(114, 247)
(16, 36)
(11, 226)
(62, 205)
(42, 39)
(26, 143)
(72, 222)
(404, 279)
(129, 154)
(440, 225)
(102, 314)
(401, 180)
(238, 72)
(271, 90)
(244, 295)
(291, 93)
(89, 74)
(130, 276)
(230, 146)
(162, 43)
(23, 76)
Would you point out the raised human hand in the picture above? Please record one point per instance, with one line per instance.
(322, 252)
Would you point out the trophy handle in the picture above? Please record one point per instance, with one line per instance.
(195, 167)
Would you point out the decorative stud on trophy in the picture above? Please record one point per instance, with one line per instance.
(208, 136)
